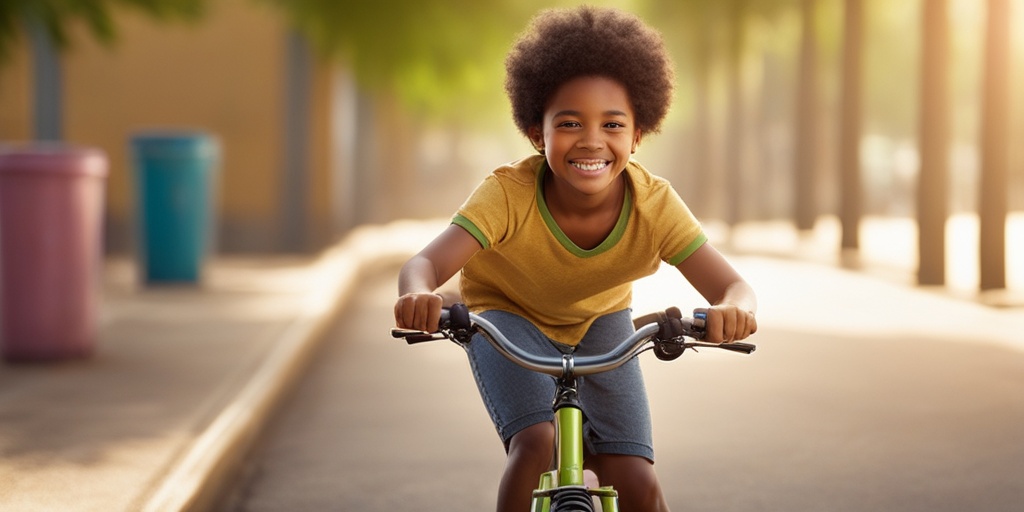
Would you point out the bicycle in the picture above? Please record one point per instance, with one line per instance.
(562, 489)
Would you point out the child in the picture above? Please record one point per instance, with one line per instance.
(548, 247)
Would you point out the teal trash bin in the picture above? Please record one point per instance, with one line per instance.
(175, 175)
(51, 250)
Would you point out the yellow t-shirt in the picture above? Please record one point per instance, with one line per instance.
(529, 267)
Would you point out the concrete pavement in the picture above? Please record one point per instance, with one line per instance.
(184, 378)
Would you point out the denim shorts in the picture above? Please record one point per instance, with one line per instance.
(617, 415)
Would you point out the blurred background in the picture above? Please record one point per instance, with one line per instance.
(814, 118)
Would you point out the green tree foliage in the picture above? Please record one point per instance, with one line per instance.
(55, 16)
(434, 54)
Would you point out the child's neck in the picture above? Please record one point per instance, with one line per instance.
(587, 219)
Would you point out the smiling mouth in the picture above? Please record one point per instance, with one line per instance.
(590, 165)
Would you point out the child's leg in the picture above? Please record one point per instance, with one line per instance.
(618, 430)
(529, 454)
(519, 403)
(634, 479)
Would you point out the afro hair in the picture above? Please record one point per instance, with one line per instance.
(562, 44)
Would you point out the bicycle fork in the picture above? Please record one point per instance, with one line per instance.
(564, 485)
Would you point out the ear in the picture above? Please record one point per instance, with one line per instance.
(636, 141)
(536, 136)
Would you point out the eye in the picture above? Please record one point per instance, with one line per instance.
(569, 124)
(614, 125)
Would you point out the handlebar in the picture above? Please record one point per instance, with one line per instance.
(664, 332)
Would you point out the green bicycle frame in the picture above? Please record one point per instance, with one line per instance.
(568, 470)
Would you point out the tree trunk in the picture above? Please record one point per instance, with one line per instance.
(701, 178)
(806, 143)
(850, 198)
(344, 137)
(735, 140)
(994, 147)
(703, 199)
(295, 234)
(48, 90)
(932, 186)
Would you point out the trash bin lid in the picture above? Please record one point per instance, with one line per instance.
(52, 157)
(175, 144)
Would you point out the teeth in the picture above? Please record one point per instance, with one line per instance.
(593, 166)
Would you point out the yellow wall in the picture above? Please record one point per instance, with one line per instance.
(225, 75)
(15, 97)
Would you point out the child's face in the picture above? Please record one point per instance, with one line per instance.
(588, 133)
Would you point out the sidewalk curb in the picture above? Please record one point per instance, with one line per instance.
(195, 480)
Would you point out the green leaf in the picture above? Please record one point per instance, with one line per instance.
(54, 16)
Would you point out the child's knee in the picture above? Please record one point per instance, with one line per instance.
(635, 479)
(626, 472)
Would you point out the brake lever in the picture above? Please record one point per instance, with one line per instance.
(413, 336)
(401, 333)
(735, 346)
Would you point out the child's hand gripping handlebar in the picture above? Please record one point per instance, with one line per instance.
(454, 320)
(674, 328)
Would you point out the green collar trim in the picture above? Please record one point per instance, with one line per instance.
(609, 242)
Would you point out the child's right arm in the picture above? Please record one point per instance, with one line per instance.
(419, 306)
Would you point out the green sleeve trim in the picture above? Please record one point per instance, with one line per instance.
(690, 249)
(468, 225)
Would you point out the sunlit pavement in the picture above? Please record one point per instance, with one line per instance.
(889, 250)
(101, 433)
(865, 394)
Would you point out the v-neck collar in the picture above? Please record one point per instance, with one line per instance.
(563, 239)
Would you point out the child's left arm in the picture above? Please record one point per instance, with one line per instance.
(733, 303)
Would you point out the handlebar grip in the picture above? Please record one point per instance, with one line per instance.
(700, 318)
(457, 316)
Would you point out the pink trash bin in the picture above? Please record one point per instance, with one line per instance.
(51, 225)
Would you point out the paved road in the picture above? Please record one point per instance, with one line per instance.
(863, 395)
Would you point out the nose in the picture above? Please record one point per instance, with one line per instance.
(591, 139)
